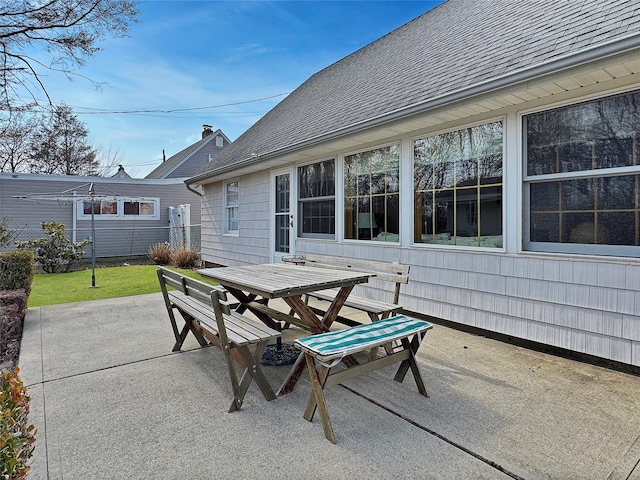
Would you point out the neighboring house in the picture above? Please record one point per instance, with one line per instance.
(493, 146)
(129, 214)
(194, 158)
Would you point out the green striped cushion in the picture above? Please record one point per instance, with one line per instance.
(350, 340)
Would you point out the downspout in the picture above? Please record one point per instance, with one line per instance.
(190, 188)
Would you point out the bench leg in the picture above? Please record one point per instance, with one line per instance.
(411, 347)
(317, 398)
(252, 371)
(188, 326)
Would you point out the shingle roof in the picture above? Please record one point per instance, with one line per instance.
(458, 44)
(171, 163)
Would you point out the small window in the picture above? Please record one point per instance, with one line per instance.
(120, 209)
(231, 207)
(219, 141)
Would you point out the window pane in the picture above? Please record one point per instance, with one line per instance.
(585, 210)
(147, 208)
(317, 180)
(371, 180)
(232, 194)
(461, 172)
(87, 208)
(593, 135)
(108, 208)
(131, 208)
(316, 208)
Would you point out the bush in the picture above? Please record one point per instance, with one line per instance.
(16, 271)
(13, 305)
(160, 253)
(16, 438)
(55, 253)
(185, 258)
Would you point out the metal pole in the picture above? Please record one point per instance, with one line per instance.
(93, 238)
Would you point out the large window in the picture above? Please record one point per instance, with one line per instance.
(120, 208)
(458, 187)
(316, 200)
(372, 195)
(582, 178)
(231, 206)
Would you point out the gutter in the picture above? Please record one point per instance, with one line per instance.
(560, 64)
(190, 188)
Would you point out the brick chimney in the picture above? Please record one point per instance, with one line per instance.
(206, 131)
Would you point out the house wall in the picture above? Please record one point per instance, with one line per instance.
(588, 304)
(114, 237)
(29, 214)
(251, 244)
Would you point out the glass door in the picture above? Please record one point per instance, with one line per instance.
(283, 216)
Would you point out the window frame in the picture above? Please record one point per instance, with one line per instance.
(593, 173)
(301, 202)
(498, 246)
(120, 209)
(227, 208)
(384, 196)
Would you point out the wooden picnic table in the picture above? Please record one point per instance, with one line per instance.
(255, 285)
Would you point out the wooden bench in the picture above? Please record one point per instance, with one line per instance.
(207, 315)
(324, 351)
(394, 273)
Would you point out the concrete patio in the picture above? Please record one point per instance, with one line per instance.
(111, 401)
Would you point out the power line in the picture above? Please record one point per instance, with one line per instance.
(98, 111)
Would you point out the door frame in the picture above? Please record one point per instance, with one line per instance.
(277, 256)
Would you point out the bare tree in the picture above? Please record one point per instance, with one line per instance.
(68, 30)
(15, 142)
(60, 146)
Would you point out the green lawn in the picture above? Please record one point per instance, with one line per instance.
(54, 288)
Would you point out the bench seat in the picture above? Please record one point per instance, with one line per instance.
(241, 330)
(324, 351)
(376, 307)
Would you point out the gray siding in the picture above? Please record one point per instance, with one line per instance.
(29, 214)
(588, 306)
(252, 243)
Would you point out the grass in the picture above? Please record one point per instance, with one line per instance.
(112, 282)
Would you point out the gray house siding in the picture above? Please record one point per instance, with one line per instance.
(251, 244)
(114, 237)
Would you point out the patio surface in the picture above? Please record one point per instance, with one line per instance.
(111, 401)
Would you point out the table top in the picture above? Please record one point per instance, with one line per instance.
(276, 280)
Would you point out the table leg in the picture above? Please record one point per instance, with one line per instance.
(315, 325)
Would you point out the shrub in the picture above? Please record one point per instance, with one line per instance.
(185, 258)
(5, 234)
(55, 253)
(16, 438)
(160, 253)
(13, 305)
(16, 271)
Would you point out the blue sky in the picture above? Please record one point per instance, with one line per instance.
(217, 54)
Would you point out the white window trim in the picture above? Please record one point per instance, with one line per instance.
(505, 191)
(120, 215)
(399, 142)
(529, 247)
(226, 208)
